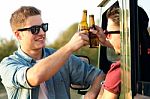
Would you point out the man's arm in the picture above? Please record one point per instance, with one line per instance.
(108, 95)
(95, 87)
(49, 66)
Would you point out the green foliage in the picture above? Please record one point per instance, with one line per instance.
(66, 36)
(92, 53)
(7, 47)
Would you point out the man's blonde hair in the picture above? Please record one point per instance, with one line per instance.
(113, 13)
(19, 17)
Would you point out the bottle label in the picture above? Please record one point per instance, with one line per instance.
(94, 42)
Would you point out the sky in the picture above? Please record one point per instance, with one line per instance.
(59, 14)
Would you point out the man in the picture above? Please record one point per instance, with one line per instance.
(112, 39)
(36, 72)
(112, 82)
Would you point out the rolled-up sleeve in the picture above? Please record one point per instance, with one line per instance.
(13, 74)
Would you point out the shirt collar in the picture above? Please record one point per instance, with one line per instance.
(27, 57)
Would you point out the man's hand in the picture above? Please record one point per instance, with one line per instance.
(101, 36)
(78, 40)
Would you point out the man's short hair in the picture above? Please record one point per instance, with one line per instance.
(113, 13)
(19, 17)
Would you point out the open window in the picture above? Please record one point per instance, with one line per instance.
(107, 55)
(134, 69)
(81, 89)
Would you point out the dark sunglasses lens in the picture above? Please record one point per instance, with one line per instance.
(35, 30)
(111, 32)
(45, 27)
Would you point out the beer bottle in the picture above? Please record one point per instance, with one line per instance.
(94, 42)
(83, 25)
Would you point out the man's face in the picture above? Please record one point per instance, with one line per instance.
(30, 41)
(114, 38)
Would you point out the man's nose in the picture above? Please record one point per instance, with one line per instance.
(41, 31)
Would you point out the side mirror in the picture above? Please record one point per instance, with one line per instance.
(82, 89)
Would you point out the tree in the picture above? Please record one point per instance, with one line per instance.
(7, 47)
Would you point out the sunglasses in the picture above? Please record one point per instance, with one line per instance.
(111, 32)
(36, 28)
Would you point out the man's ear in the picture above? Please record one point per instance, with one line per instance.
(17, 34)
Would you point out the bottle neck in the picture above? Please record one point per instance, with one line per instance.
(91, 21)
(84, 17)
